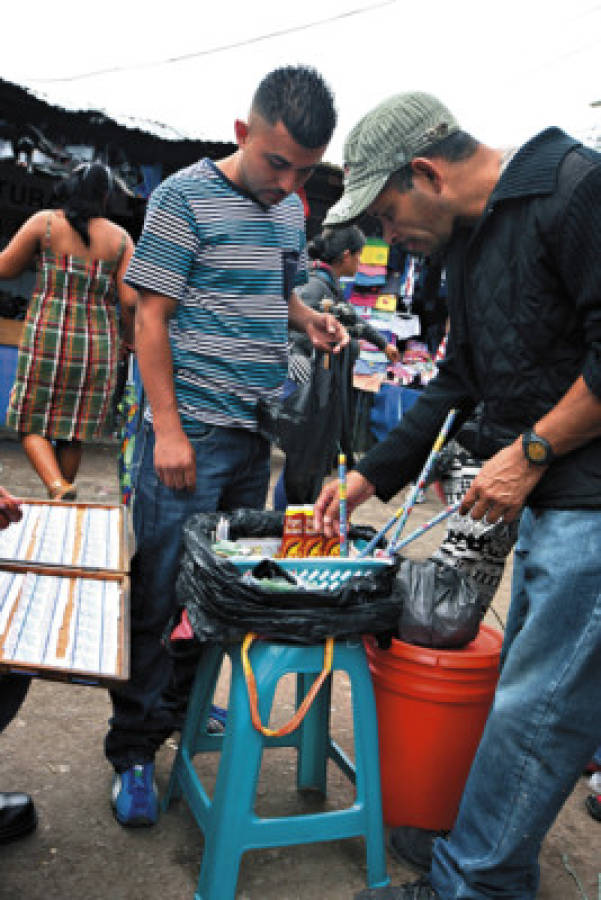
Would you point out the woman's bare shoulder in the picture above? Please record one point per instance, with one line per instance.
(38, 221)
(110, 227)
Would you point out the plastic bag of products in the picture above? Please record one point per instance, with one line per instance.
(422, 602)
(440, 606)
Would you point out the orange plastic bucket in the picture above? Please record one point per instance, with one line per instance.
(432, 706)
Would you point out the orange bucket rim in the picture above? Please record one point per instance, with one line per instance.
(483, 651)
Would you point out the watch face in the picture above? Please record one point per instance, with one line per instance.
(537, 452)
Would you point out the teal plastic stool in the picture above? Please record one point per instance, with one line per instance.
(229, 822)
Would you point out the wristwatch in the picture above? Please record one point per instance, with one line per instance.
(537, 449)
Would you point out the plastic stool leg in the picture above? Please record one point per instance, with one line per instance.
(367, 765)
(232, 811)
(314, 736)
(199, 703)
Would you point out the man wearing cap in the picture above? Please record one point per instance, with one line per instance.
(521, 233)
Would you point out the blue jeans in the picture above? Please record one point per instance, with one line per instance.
(544, 723)
(232, 471)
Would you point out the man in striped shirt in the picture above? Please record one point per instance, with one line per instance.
(221, 252)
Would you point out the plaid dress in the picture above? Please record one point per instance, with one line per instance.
(67, 362)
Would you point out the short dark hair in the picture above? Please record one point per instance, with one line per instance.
(332, 242)
(299, 97)
(83, 195)
(454, 148)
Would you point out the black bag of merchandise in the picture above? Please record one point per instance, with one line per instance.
(439, 605)
(222, 606)
(314, 421)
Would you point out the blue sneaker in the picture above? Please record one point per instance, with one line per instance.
(217, 720)
(135, 798)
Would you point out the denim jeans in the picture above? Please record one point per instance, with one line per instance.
(543, 726)
(232, 471)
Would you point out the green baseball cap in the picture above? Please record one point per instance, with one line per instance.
(384, 140)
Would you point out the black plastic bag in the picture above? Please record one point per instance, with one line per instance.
(316, 419)
(439, 605)
(222, 607)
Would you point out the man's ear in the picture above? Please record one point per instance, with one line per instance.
(427, 169)
(241, 132)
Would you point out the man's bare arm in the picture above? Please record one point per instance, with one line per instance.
(324, 330)
(174, 455)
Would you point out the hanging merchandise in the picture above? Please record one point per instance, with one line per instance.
(315, 419)
(408, 284)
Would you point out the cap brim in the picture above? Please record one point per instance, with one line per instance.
(355, 200)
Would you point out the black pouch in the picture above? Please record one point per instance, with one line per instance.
(290, 260)
(440, 606)
(311, 423)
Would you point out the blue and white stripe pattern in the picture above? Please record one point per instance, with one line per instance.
(227, 261)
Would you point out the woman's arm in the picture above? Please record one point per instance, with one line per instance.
(128, 296)
(22, 248)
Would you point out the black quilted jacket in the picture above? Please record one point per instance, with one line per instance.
(525, 308)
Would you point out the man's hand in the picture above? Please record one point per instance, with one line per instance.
(326, 333)
(392, 353)
(327, 507)
(501, 487)
(175, 460)
(10, 510)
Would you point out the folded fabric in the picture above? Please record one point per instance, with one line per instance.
(365, 300)
(370, 383)
(369, 280)
(366, 367)
(371, 270)
(375, 253)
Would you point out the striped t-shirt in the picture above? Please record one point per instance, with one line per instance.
(231, 264)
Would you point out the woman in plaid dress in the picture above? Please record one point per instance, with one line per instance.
(67, 363)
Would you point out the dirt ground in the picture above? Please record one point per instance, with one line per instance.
(53, 750)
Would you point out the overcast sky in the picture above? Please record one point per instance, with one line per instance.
(506, 69)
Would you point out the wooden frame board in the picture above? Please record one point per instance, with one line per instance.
(30, 557)
(56, 644)
(66, 622)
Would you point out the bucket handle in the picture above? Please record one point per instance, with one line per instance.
(304, 707)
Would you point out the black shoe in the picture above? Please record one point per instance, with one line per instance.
(413, 846)
(17, 816)
(415, 890)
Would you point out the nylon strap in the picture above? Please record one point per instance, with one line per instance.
(305, 706)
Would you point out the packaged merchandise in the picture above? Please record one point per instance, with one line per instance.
(293, 533)
(331, 546)
(312, 540)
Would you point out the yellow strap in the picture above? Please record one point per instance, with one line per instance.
(305, 706)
